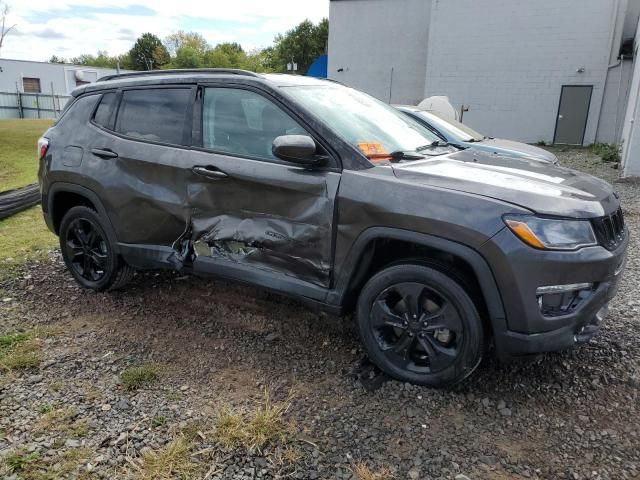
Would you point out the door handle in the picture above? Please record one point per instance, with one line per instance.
(209, 171)
(104, 153)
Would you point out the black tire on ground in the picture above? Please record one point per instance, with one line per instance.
(419, 325)
(14, 201)
(88, 253)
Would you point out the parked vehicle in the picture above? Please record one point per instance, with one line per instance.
(318, 191)
(462, 136)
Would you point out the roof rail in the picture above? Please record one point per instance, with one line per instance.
(144, 73)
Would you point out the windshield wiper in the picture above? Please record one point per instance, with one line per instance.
(399, 155)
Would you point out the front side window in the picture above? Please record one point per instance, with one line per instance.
(373, 127)
(157, 115)
(242, 122)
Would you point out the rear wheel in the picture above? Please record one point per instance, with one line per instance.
(419, 325)
(88, 253)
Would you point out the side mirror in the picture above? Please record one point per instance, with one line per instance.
(299, 149)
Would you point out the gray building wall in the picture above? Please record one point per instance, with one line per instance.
(630, 127)
(507, 60)
(369, 38)
(59, 79)
(614, 102)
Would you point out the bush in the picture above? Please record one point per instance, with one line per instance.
(606, 151)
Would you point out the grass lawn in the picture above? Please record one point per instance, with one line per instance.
(23, 236)
(18, 151)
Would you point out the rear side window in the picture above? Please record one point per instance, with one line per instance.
(157, 115)
(103, 113)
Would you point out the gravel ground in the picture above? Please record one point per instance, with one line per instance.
(570, 415)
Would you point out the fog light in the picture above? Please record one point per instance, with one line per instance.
(572, 287)
(556, 300)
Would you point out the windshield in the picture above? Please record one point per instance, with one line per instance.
(373, 127)
(454, 127)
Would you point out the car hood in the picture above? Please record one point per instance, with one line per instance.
(511, 148)
(540, 187)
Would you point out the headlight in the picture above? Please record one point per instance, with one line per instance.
(551, 233)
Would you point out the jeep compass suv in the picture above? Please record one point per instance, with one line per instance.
(318, 191)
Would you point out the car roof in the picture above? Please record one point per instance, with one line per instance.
(162, 77)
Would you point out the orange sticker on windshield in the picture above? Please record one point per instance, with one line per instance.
(374, 151)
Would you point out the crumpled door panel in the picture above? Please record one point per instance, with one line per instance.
(266, 215)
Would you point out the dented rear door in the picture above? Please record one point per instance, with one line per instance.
(249, 208)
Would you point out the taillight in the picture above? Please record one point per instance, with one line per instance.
(43, 146)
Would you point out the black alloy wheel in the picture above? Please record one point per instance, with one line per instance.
(416, 327)
(89, 253)
(86, 249)
(420, 325)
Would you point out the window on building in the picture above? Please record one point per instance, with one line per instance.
(244, 123)
(31, 85)
(105, 108)
(158, 115)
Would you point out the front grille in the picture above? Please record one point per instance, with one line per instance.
(610, 229)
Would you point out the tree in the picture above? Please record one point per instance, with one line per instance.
(148, 53)
(4, 30)
(188, 57)
(181, 39)
(57, 59)
(259, 60)
(303, 44)
(225, 55)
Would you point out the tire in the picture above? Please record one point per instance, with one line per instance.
(419, 325)
(14, 201)
(88, 253)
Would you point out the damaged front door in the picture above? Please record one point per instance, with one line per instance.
(250, 209)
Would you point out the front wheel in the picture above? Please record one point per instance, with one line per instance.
(419, 325)
(88, 253)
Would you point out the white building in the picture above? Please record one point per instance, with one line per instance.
(52, 81)
(558, 71)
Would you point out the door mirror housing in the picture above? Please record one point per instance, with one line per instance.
(299, 149)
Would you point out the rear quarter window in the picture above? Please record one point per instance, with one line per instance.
(157, 115)
(104, 111)
(78, 112)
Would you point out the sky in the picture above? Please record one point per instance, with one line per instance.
(68, 28)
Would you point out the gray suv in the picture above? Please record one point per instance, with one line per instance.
(318, 191)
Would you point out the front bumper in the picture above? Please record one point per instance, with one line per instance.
(520, 270)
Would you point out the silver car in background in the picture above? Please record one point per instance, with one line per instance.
(459, 135)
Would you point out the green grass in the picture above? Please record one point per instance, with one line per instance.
(136, 377)
(19, 351)
(608, 152)
(23, 236)
(254, 428)
(70, 463)
(18, 151)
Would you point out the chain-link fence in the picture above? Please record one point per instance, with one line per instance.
(31, 105)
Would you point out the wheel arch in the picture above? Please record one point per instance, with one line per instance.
(379, 247)
(63, 196)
